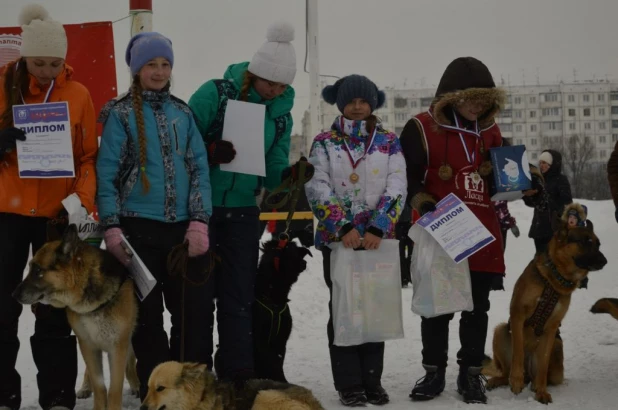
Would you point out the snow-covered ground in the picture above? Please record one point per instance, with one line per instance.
(590, 341)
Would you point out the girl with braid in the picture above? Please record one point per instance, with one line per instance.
(234, 232)
(154, 188)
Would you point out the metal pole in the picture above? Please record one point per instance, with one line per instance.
(314, 71)
(315, 126)
(141, 16)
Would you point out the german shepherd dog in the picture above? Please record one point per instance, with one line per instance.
(100, 304)
(526, 348)
(190, 386)
(606, 305)
(281, 264)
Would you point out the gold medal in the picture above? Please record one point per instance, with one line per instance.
(445, 172)
(476, 177)
(354, 177)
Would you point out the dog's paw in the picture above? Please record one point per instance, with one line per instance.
(543, 397)
(517, 384)
(496, 382)
(83, 393)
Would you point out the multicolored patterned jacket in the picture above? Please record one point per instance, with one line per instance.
(504, 216)
(375, 199)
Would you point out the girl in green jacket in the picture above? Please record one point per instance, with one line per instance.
(234, 224)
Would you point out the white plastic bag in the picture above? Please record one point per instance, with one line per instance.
(440, 285)
(88, 229)
(366, 294)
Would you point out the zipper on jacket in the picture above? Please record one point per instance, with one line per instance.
(176, 137)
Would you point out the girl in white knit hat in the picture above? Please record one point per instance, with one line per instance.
(234, 224)
(27, 206)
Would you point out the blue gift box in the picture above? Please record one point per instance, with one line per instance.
(511, 172)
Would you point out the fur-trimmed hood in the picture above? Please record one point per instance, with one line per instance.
(581, 211)
(467, 78)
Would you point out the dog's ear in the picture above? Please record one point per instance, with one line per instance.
(192, 371)
(556, 222)
(589, 225)
(70, 240)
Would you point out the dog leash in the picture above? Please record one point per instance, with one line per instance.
(290, 188)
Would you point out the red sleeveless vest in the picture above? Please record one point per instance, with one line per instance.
(444, 146)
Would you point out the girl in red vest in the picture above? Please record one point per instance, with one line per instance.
(447, 150)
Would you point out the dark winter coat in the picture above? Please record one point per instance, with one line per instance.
(558, 191)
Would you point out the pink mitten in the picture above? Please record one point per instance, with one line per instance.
(197, 236)
(113, 243)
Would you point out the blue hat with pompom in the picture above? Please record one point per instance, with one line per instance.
(353, 86)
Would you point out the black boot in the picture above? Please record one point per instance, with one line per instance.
(471, 385)
(353, 397)
(430, 385)
(377, 395)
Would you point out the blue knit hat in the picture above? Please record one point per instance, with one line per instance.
(353, 86)
(145, 46)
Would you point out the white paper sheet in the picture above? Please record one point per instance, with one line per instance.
(243, 126)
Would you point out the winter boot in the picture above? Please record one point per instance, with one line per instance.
(377, 395)
(471, 385)
(353, 397)
(430, 385)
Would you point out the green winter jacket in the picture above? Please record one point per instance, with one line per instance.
(230, 189)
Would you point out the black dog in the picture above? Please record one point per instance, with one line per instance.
(281, 264)
(279, 267)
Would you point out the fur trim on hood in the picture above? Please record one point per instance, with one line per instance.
(581, 212)
(494, 97)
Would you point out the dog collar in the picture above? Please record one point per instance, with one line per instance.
(561, 279)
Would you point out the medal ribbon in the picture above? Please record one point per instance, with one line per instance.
(471, 158)
(349, 151)
(49, 91)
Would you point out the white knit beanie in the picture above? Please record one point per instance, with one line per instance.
(276, 60)
(41, 36)
(546, 156)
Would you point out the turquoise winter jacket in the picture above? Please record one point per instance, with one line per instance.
(176, 163)
(230, 189)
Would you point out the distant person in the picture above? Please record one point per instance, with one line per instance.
(558, 195)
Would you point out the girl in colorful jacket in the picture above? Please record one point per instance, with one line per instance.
(154, 189)
(28, 204)
(356, 194)
(235, 221)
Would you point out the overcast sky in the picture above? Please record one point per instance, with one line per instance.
(391, 41)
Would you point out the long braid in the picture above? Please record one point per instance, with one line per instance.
(246, 84)
(136, 93)
(15, 80)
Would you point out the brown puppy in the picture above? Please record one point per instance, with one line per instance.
(100, 303)
(190, 386)
(526, 348)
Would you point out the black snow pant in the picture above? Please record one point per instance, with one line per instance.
(352, 366)
(235, 239)
(152, 242)
(54, 349)
(472, 329)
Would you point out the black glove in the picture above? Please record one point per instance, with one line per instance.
(616, 214)
(294, 170)
(515, 231)
(537, 182)
(8, 137)
(221, 152)
(427, 207)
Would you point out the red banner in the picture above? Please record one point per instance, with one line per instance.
(90, 53)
